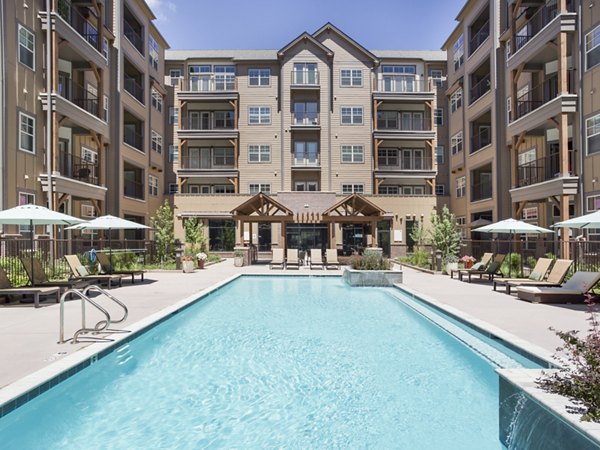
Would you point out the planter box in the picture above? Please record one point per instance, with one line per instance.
(238, 261)
(377, 278)
(187, 266)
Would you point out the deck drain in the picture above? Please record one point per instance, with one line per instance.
(55, 356)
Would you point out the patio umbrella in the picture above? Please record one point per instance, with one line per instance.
(591, 220)
(109, 223)
(33, 215)
(512, 226)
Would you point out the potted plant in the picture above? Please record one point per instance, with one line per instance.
(201, 257)
(467, 261)
(451, 262)
(238, 258)
(187, 263)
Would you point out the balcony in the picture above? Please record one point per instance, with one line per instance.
(196, 162)
(133, 189)
(479, 37)
(78, 22)
(208, 125)
(305, 79)
(208, 164)
(135, 88)
(481, 191)
(536, 23)
(482, 139)
(303, 160)
(78, 95)
(399, 87)
(405, 128)
(543, 169)
(306, 121)
(77, 168)
(133, 138)
(480, 88)
(135, 35)
(406, 167)
(406, 163)
(208, 87)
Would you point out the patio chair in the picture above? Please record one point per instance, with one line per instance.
(41, 279)
(292, 258)
(316, 258)
(278, 259)
(572, 291)
(490, 271)
(331, 259)
(481, 265)
(108, 269)
(79, 271)
(6, 288)
(555, 277)
(538, 273)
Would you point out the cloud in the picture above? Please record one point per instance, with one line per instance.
(162, 9)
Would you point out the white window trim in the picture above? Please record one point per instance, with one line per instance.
(587, 202)
(260, 122)
(455, 98)
(19, 46)
(352, 116)
(443, 147)
(156, 140)
(153, 185)
(454, 143)
(588, 136)
(351, 85)
(259, 77)
(259, 147)
(260, 188)
(462, 188)
(32, 151)
(352, 153)
(588, 50)
(441, 111)
(353, 186)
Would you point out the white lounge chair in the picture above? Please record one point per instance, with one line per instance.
(278, 259)
(292, 258)
(572, 291)
(316, 258)
(331, 259)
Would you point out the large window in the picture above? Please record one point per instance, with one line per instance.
(153, 52)
(387, 157)
(350, 77)
(156, 142)
(255, 188)
(223, 156)
(173, 115)
(458, 52)
(389, 190)
(440, 153)
(593, 203)
(25, 198)
(157, 100)
(173, 153)
(259, 77)
(437, 76)
(175, 75)
(26, 133)
(26, 47)
(173, 188)
(438, 117)
(456, 143)
(440, 189)
(592, 48)
(259, 153)
(387, 120)
(352, 115)
(461, 183)
(221, 235)
(456, 100)
(259, 115)
(353, 188)
(592, 134)
(153, 185)
(352, 154)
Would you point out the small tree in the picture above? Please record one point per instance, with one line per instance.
(194, 235)
(164, 235)
(445, 235)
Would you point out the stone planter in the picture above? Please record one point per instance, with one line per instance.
(379, 278)
(451, 266)
(238, 261)
(201, 263)
(187, 266)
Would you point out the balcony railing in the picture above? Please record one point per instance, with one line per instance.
(305, 119)
(133, 189)
(543, 169)
(542, 94)
(479, 37)
(78, 95)
(196, 163)
(136, 39)
(404, 163)
(212, 83)
(78, 22)
(306, 160)
(402, 84)
(405, 124)
(133, 138)
(481, 191)
(305, 77)
(72, 166)
(134, 88)
(481, 139)
(536, 23)
(206, 123)
(480, 88)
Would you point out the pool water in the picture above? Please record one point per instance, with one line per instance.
(275, 362)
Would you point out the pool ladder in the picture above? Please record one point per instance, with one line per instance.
(102, 325)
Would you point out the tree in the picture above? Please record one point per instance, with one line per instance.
(164, 236)
(194, 235)
(444, 232)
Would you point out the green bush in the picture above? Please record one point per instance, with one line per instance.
(370, 261)
(419, 258)
(511, 265)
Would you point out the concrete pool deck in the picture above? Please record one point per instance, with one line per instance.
(29, 336)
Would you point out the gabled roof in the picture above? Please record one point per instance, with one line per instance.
(354, 205)
(308, 37)
(330, 26)
(232, 55)
(262, 206)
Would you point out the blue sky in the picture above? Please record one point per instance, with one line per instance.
(270, 24)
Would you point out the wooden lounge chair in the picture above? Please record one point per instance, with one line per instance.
(278, 259)
(490, 271)
(107, 268)
(292, 258)
(481, 265)
(316, 258)
(555, 277)
(6, 288)
(537, 274)
(331, 259)
(41, 280)
(79, 271)
(572, 291)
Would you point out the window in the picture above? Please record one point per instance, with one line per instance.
(387, 120)
(440, 154)
(593, 203)
(350, 77)
(223, 157)
(153, 52)
(25, 198)
(175, 75)
(440, 189)
(438, 117)
(352, 115)
(156, 142)
(105, 48)
(88, 211)
(259, 153)
(458, 50)
(357, 188)
(462, 225)
(255, 188)
(173, 188)
(153, 185)
(387, 157)
(592, 134)
(259, 77)
(27, 133)
(173, 115)
(89, 155)
(157, 100)
(223, 189)
(592, 48)
(173, 153)
(389, 190)
(508, 110)
(259, 115)
(456, 143)
(530, 213)
(460, 186)
(26, 47)
(456, 100)
(437, 76)
(352, 154)
(224, 119)
(106, 108)
(401, 69)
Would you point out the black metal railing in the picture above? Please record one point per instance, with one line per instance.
(481, 139)
(134, 88)
(412, 123)
(542, 169)
(481, 191)
(481, 87)
(133, 36)
(78, 95)
(305, 118)
(406, 163)
(402, 84)
(206, 123)
(78, 22)
(133, 138)
(133, 189)
(542, 93)
(479, 37)
(536, 23)
(77, 168)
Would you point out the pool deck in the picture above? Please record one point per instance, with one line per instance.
(29, 336)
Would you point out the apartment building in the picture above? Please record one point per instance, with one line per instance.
(65, 117)
(269, 146)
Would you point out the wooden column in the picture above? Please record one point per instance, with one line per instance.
(563, 82)
(241, 233)
(374, 233)
(283, 243)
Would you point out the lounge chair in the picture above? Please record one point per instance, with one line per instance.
(107, 268)
(490, 271)
(278, 259)
(555, 277)
(572, 291)
(6, 288)
(537, 274)
(292, 258)
(79, 271)
(316, 258)
(481, 265)
(41, 280)
(331, 259)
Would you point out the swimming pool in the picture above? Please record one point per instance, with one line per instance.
(265, 362)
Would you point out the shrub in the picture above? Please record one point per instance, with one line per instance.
(370, 261)
(511, 265)
(419, 258)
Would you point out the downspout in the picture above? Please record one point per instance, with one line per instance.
(2, 106)
(49, 70)
(582, 140)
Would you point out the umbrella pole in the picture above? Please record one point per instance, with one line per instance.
(31, 254)
(112, 268)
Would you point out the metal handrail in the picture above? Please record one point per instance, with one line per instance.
(479, 37)
(481, 87)
(95, 288)
(100, 326)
